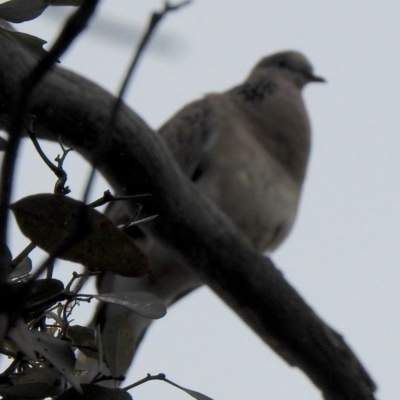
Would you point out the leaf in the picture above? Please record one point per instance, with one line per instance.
(34, 390)
(193, 393)
(20, 336)
(31, 43)
(50, 221)
(34, 383)
(196, 395)
(95, 392)
(22, 10)
(23, 268)
(41, 296)
(56, 351)
(59, 354)
(143, 303)
(85, 339)
(31, 375)
(43, 289)
(118, 344)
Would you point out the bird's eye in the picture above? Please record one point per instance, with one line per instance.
(282, 64)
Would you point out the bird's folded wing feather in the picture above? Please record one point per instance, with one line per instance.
(187, 134)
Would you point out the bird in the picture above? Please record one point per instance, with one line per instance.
(247, 150)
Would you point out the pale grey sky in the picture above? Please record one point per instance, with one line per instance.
(344, 252)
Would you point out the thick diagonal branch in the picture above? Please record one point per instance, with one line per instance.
(135, 161)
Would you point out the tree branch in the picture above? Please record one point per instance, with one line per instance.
(135, 161)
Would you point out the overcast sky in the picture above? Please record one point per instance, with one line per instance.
(343, 254)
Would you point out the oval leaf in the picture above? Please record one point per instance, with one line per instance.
(20, 336)
(22, 10)
(118, 344)
(33, 383)
(94, 392)
(29, 391)
(56, 351)
(31, 43)
(75, 232)
(85, 339)
(193, 393)
(23, 268)
(31, 375)
(142, 303)
(41, 296)
(196, 395)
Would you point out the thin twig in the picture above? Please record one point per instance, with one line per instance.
(32, 136)
(65, 151)
(82, 280)
(50, 269)
(61, 296)
(108, 197)
(132, 222)
(24, 253)
(75, 276)
(154, 21)
(59, 187)
(58, 170)
(159, 377)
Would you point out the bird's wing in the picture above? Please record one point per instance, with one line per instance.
(187, 133)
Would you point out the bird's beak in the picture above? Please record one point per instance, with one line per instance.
(314, 78)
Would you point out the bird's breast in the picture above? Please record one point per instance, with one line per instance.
(250, 186)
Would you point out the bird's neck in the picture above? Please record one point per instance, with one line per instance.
(275, 115)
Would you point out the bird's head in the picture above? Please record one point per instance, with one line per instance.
(293, 64)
